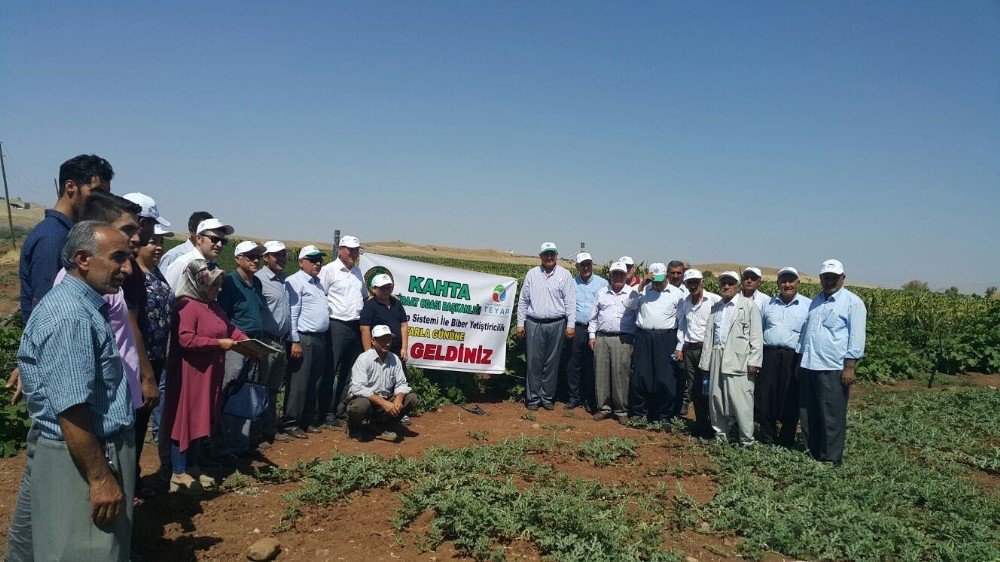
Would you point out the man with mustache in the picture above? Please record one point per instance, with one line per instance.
(83, 478)
(734, 330)
(777, 392)
(832, 343)
(310, 321)
(692, 318)
(751, 287)
(612, 332)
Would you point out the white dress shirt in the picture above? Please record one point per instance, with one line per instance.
(175, 270)
(724, 319)
(658, 309)
(614, 312)
(345, 290)
(760, 299)
(692, 318)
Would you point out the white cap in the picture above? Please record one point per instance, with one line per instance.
(380, 330)
(148, 207)
(247, 246)
(583, 256)
(658, 271)
(754, 270)
(692, 274)
(381, 279)
(160, 231)
(215, 224)
(791, 270)
(548, 247)
(733, 274)
(273, 246)
(619, 266)
(627, 260)
(309, 250)
(350, 242)
(832, 266)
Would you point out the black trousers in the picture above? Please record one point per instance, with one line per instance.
(652, 389)
(142, 421)
(776, 395)
(576, 377)
(823, 411)
(343, 349)
(702, 422)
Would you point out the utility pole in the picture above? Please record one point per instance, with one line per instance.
(6, 193)
(55, 182)
(336, 240)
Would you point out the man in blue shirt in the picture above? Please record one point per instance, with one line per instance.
(40, 263)
(832, 342)
(83, 475)
(578, 357)
(776, 394)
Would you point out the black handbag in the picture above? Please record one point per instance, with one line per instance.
(248, 398)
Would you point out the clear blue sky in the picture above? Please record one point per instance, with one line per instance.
(762, 133)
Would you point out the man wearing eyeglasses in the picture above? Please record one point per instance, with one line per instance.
(734, 331)
(243, 300)
(310, 321)
(212, 236)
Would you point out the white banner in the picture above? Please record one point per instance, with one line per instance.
(458, 320)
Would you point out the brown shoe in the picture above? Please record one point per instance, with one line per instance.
(296, 432)
(281, 438)
(601, 415)
(313, 430)
(622, 419)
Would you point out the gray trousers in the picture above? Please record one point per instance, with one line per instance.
(19, 547)
(823, 413)
(305, 374)
(612, 367)
(544, 343)
(60, 504)
(232, 434)
(731, 401)
(272, 376)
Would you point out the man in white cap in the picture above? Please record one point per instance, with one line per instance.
(776, 395)
(346, 294)
(632, 279)
(611, 334)
(277, 329)
(546, 314)
(242, 299)
(833, 341)
(734, 330)
(179, 250)
(310, 322)
(212, 235)
(692, 318)
(579, 357)
(751, 287)
(385, 309)
(378, 391)
(653, 385)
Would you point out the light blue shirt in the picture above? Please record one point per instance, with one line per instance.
(586, 296)
(278, 319)
(783, 322)
(547, 296)
(307, 301)
(69, 356)
(834, 331)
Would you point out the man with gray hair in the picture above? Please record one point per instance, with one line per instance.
(546, 314)
(83, 475)
(612, 332)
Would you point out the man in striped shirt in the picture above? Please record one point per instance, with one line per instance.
(546, 313)
(83, 476)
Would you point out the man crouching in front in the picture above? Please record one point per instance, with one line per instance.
(378, 393)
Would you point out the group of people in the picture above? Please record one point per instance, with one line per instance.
(120, 334)
(754, 366)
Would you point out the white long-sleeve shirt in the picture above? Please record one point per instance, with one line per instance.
(547, 296)
(693, 317)
(345, 290)
(372, 375)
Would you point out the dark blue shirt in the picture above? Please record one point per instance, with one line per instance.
(374, 313)
(41, 259)
(244, 304)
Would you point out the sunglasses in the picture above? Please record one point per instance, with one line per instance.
(726, 283)
(216, 239)
(313, 259)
